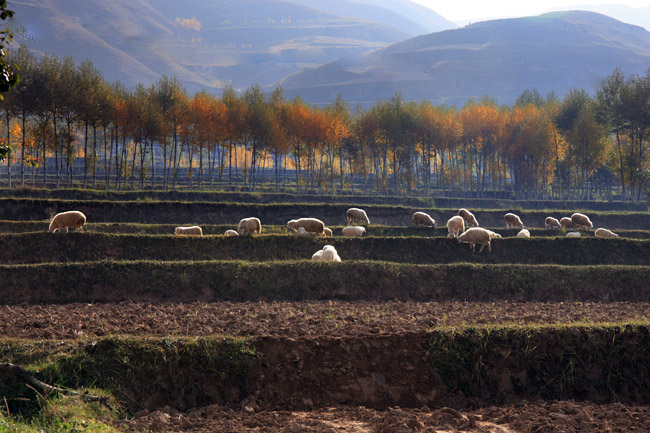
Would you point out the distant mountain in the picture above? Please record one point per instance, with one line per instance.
(501, 58)
(627, 14)
(404, 15)
(203, 43)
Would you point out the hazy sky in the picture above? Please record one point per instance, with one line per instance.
(463, 11)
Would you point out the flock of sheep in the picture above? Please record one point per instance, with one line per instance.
(314, 227)
(477, 235)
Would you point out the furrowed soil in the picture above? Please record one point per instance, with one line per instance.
(297, 319)
(315, 356)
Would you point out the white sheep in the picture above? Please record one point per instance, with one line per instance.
(302, 232)
(317, 256)
(604, 233)
(455, 226)
(63, 220)
(327, 232)
(523, 233)
(494, 235)
(353, 231)
(355, 214)
(311, 225)
(423, 219)
(231, 233)
(476, 235)
(192, 230)
(581, 221)
(249, 226)
(330, 254)
(513, 220)
(552, 223)
(573, 235)
(566, 223)
(470, 221)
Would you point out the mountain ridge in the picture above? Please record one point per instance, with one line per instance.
(500, 58)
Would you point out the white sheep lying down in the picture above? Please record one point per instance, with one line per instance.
(355, 214)
(193, 230)
(523, 233)
(231, 233)
(353, 231)
(251, 226)
(327, 254)
(476, 235)
(63, 220)
(604, 233)
(573, 235)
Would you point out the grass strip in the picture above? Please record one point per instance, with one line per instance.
(191, 281)
(277, 213)
(81, 247)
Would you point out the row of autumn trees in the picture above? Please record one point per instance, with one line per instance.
(161, 136)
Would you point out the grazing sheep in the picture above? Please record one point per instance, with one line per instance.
(249, 226)
(513, 220)
(231, 233)
(523, 233)
(330, 254)
(63, 220)
(494, 235)
(581, 221)
(468, 217)
(354, 231)
(604, 233)
(566, 223)
(193, 230)
(327, 232)
(317, 256)
(552, 223)
(311, 225)
(455, 226)
(476, 235)
(423, 219)
(355, 214)
(573, 235)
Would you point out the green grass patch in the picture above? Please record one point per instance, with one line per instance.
(81, 247)
(138, 372)
(190, 281)
(597, 363)
(333, 214)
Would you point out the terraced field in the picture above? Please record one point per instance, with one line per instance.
(411, 332)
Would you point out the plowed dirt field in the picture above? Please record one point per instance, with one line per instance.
(296, 319)
(334, 319)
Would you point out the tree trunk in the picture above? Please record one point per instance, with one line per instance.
(22, 153)
(9, 153)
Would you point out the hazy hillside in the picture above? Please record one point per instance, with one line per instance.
(404, 15)
(638, 16)
(203, 43)
(501, 58)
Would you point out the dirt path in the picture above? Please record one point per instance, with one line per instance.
(543, 417)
